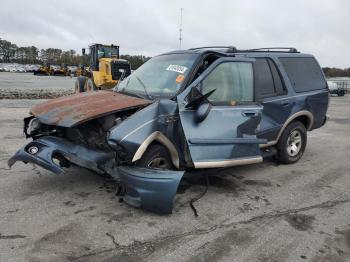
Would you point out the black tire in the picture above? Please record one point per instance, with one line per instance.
(154, 153)
(79, 84)
(90, 85)
(286, 154)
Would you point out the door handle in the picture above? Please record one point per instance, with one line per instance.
(250, 114)
(286, 104)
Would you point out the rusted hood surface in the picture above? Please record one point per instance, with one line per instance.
(76, 109)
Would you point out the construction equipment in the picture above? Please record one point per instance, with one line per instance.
(82, 70)
(43, 70)
(106, 69)
(59, 70)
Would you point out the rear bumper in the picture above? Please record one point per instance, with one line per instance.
(150, 189)
(49, 146)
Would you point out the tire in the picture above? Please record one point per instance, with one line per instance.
(156, 157)
(90, 85)
(289, 150)
(79, 84)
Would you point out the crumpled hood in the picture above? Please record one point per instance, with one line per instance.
(75, 109)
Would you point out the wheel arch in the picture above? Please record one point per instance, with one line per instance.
(304, 116)
(164, 141)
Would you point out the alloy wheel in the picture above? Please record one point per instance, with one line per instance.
(294, 143)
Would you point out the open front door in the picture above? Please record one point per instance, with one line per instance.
(220, 127)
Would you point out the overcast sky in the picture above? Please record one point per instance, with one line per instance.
(151, 27)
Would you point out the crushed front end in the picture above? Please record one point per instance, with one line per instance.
(68, 131)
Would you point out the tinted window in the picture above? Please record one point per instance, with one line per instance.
(279, 87)
(304, 73)
(233, 82)
(263, 79)
(267, 79)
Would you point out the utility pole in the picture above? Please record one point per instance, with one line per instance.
(180, 31)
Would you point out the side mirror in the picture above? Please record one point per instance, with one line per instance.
(83, 51)
(202, 112)
(199, 102)
(195, 98)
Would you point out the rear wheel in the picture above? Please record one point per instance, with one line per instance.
(79, 84)
(90, 85)
(292, 143)
(156, 157)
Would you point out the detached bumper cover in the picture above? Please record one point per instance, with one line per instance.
(150, 189)
(48, 146)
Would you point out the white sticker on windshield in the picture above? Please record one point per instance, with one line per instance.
(177, 68)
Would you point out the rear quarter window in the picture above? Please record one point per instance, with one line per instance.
(304, 73)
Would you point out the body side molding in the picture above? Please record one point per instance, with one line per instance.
(229, 162)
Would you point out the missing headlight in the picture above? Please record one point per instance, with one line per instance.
(33, 125)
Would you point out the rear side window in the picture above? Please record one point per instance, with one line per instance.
(304, 73)
(267, 80)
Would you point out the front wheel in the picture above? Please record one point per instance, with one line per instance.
(79, 84)
(156, 157)
(90, 85)
(292, 143)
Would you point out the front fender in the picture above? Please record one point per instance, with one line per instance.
(156, 122)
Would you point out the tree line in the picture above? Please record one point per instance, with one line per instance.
(336, 72)
(11, 53)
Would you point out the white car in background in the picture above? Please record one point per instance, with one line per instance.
(334, 89)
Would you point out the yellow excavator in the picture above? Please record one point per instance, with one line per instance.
(106, 69)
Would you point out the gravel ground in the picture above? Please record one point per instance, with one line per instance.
(261, 212)
(29, 86)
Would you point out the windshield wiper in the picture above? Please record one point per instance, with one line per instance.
(144, 87)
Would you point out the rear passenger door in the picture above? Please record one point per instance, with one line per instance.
(270, 91)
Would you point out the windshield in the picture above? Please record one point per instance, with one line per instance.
(160, 76)
(107, 51)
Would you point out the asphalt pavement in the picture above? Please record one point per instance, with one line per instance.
(260, 212)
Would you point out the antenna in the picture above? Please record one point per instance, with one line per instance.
(180, 31)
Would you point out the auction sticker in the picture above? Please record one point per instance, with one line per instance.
(179, 79)
(177, 68)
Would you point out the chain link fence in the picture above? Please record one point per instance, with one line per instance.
(342, 83)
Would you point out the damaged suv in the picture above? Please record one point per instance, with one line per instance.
(207, 107)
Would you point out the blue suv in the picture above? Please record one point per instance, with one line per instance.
(207, 107)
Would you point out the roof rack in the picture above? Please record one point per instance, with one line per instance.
(230, 49)
(272, 49)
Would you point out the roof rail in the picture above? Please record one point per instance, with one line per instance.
(272, 49)
(230, 49)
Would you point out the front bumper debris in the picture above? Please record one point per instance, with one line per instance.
(150, 189)
(43, 150)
